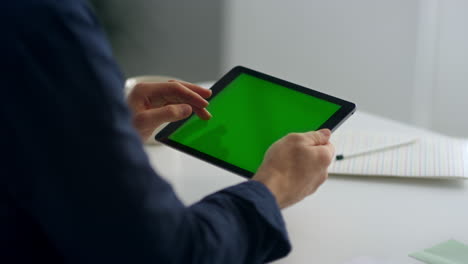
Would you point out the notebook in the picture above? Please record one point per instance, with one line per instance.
(449, 252)
(430, 156)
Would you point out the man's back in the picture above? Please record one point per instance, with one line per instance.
(76, 183)
(35, 76)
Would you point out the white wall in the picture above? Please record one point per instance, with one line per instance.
(450, 101)
(381, 54)
(181, 38)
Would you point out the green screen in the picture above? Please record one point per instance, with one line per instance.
(250, 114)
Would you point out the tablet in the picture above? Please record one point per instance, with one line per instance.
(252, 110)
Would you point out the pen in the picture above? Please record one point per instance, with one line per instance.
(370, 151)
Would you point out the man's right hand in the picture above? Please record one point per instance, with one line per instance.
(296, 165)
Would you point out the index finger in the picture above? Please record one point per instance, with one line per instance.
(175, 93)
(328, 151)
(203, 92)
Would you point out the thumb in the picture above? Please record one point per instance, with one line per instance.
(169, 113)
(153, 118)
(320, 137)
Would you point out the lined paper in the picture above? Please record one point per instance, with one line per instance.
(429, 157)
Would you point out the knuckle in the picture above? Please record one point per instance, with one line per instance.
(183, 91)
(323, 156)
(316, 138)
(296, 149)
(294, 137)
(172, 110)
(178, 87)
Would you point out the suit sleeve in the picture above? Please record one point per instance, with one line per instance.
(84, 176)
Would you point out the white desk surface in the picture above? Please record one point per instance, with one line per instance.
(349, 217)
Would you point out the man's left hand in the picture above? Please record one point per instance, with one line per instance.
(156, 103)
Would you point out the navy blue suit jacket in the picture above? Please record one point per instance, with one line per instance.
(76, 184)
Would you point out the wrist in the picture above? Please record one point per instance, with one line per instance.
(272, 181)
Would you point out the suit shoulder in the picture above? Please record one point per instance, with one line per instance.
(30, 10)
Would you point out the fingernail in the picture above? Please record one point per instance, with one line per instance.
(326, 132)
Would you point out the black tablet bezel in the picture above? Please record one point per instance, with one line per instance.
(345, 111)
